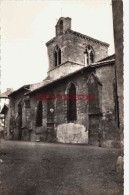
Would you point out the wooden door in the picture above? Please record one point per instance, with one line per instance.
(95, 130)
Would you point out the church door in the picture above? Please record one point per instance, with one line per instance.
(95, 130)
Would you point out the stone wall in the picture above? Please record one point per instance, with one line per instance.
(111, 132)
(76, 47)
(26, 116)
(106, 75)
(64, 69)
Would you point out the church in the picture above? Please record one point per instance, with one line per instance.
(77, 101)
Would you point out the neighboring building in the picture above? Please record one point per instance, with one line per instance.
(1, 126)
(5, 120)
(78, 65)
(4, 114)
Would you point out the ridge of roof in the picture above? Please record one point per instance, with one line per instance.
(80, 35)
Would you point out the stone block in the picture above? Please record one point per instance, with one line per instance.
(72, 133)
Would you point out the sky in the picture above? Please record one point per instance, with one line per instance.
(26, 25)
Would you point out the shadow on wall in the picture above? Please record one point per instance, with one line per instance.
(72, 133)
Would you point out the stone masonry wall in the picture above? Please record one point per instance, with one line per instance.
(14, 101)
(72, 49)
(64, 69)
(76, 47)
(111, 132)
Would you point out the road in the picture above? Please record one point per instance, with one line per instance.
(29, 168)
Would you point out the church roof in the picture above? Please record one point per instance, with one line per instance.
(19, 89)
(29, 87)
(92, 66)
(108, 58)
(81, 36)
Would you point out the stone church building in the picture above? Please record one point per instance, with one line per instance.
(79, 68)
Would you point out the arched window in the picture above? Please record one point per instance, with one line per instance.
(39, 115)
(19, 109)
(19, 114)
(57, 56)
(89, 55)
(19, 120)
(71, 106)
(61, 27)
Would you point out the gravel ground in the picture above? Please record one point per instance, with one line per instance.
(28, 168)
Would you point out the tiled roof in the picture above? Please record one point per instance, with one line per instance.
(29, 87)
(93, 65)
(23, 87)
(108, 58)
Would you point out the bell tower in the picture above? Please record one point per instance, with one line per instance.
(70, 51)
(63, 25)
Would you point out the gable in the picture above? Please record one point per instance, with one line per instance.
(93, 78)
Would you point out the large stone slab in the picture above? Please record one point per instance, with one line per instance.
(72, 133)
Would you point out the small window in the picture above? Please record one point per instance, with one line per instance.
(19, 109)
(27, 103)
(39, 115)
(19, 118)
